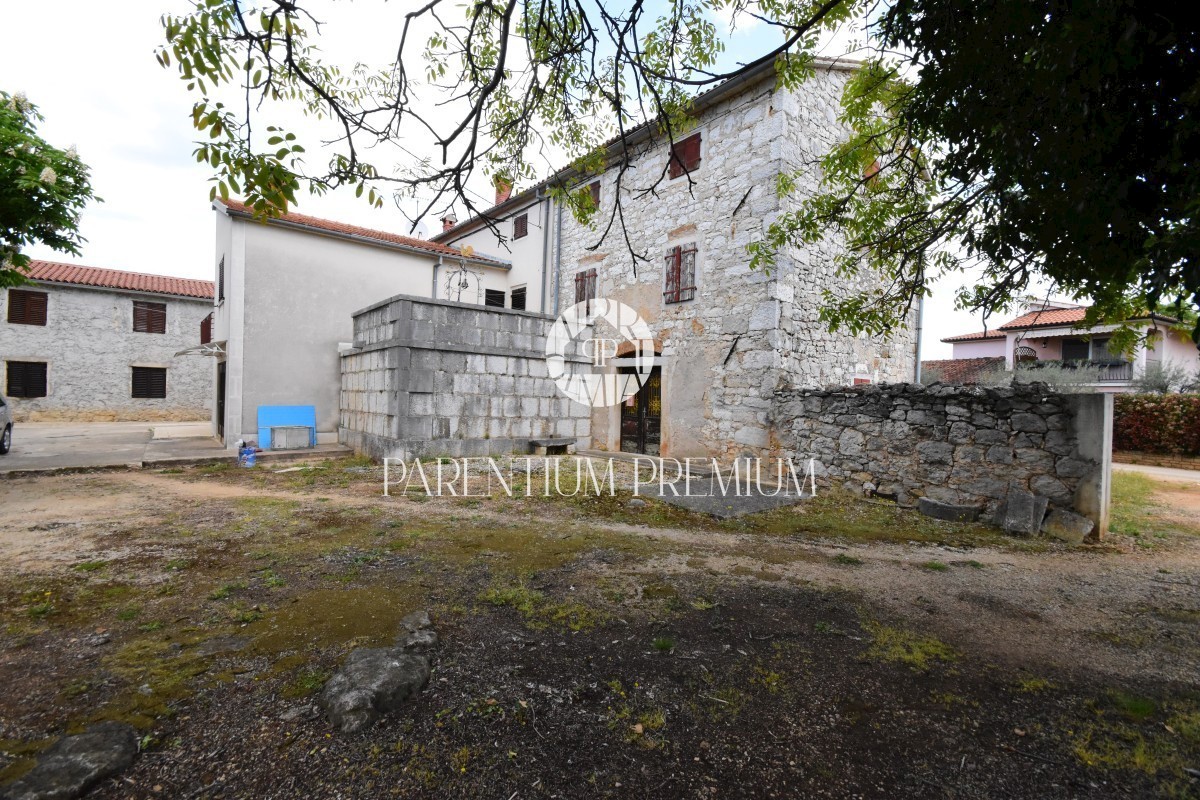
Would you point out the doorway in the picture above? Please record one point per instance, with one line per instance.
(221, 400)
(641, 418)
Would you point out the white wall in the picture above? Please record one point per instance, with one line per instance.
(992, 348)
(290, 295)
(525, 254)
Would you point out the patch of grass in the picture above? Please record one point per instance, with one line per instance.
(128, 614)
(1032, 685)
(540, 611)
(663, 644)
(1136, 513)
(975, 564)
(305, 683)
(935, 566)
(1138, 734)
(847, 560)
(703, 604)
(90, 566)
(899, 646)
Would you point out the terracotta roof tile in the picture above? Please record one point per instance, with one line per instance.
(53, 272)
(961, 370)
(332, 226)
(978, 336)
(1051, 316)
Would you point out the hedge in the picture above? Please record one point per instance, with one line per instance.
(1157, 423)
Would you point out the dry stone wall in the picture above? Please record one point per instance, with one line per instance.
(962, 445)
(436, 378)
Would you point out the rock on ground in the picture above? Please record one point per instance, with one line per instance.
(1066, 526)
(379, 680)
(1022, 512)
(76, 763)
(948, 511)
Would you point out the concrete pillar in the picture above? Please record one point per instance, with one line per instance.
(1093, 426)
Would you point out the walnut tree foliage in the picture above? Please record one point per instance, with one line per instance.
(42, 190)
(1031, 140)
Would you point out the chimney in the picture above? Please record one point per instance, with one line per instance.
(449, 221)
(504, 189)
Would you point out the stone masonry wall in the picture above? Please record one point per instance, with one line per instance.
(89, 347)
(436, 378)
(955, 444)
(746, 333)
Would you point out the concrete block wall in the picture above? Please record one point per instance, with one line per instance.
(434, 378)
(965, 445)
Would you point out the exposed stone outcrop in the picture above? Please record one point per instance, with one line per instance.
(74, 764)
(379, 680)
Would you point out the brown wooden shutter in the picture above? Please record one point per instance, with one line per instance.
(149, 317)
(493, 298)
(685, 156)
(521, 226)
(594, 191)
(26, 379)
(221, 280)
(518, 299)
(149, 383)
(206, 329)
(26, 307)
(671, 275)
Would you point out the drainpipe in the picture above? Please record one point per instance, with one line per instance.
(557, 257)
(545, 246)
(433, 291)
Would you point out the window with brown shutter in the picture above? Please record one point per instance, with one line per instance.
(521, 226)
(679, 284)
(221, 280)
(518, 299)
(594, 191)
(149, 317)
(585, 287)
(149, 383)
(685, 156)
(206, 329)
(493, 298)
(26, 307)
(26, 379)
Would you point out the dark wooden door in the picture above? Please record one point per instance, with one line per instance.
(641, 418)
(221, 399)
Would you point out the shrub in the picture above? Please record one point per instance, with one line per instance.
(1167, 424)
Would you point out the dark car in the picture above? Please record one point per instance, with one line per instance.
(5, 426)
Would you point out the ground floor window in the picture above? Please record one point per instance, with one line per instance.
(149, 383)
(26, 379)
(518, 299)
(493, 298)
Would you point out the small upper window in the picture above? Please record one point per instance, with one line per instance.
(594, 192)
(26, 307)
(518, 299)
(680, 274)
(521, 226)
(494, 298)
(149, 383)
(585, 287)
(149, 317)
(221, 280)
(685, 155)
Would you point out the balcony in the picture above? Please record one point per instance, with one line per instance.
(1109, 371)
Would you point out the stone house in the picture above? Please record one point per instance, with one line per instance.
(726, 337)
(88, 344)
(1052, 332)
(286, 290)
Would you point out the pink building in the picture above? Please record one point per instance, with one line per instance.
(1049, 331)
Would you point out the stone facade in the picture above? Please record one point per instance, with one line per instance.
(745, 334)
(89, 346)
(435, 378)
(955, 444)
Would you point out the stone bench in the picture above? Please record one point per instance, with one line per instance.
(550, 447)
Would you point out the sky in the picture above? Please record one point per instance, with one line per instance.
(91, 71)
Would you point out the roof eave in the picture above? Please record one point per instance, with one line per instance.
(367, 240)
